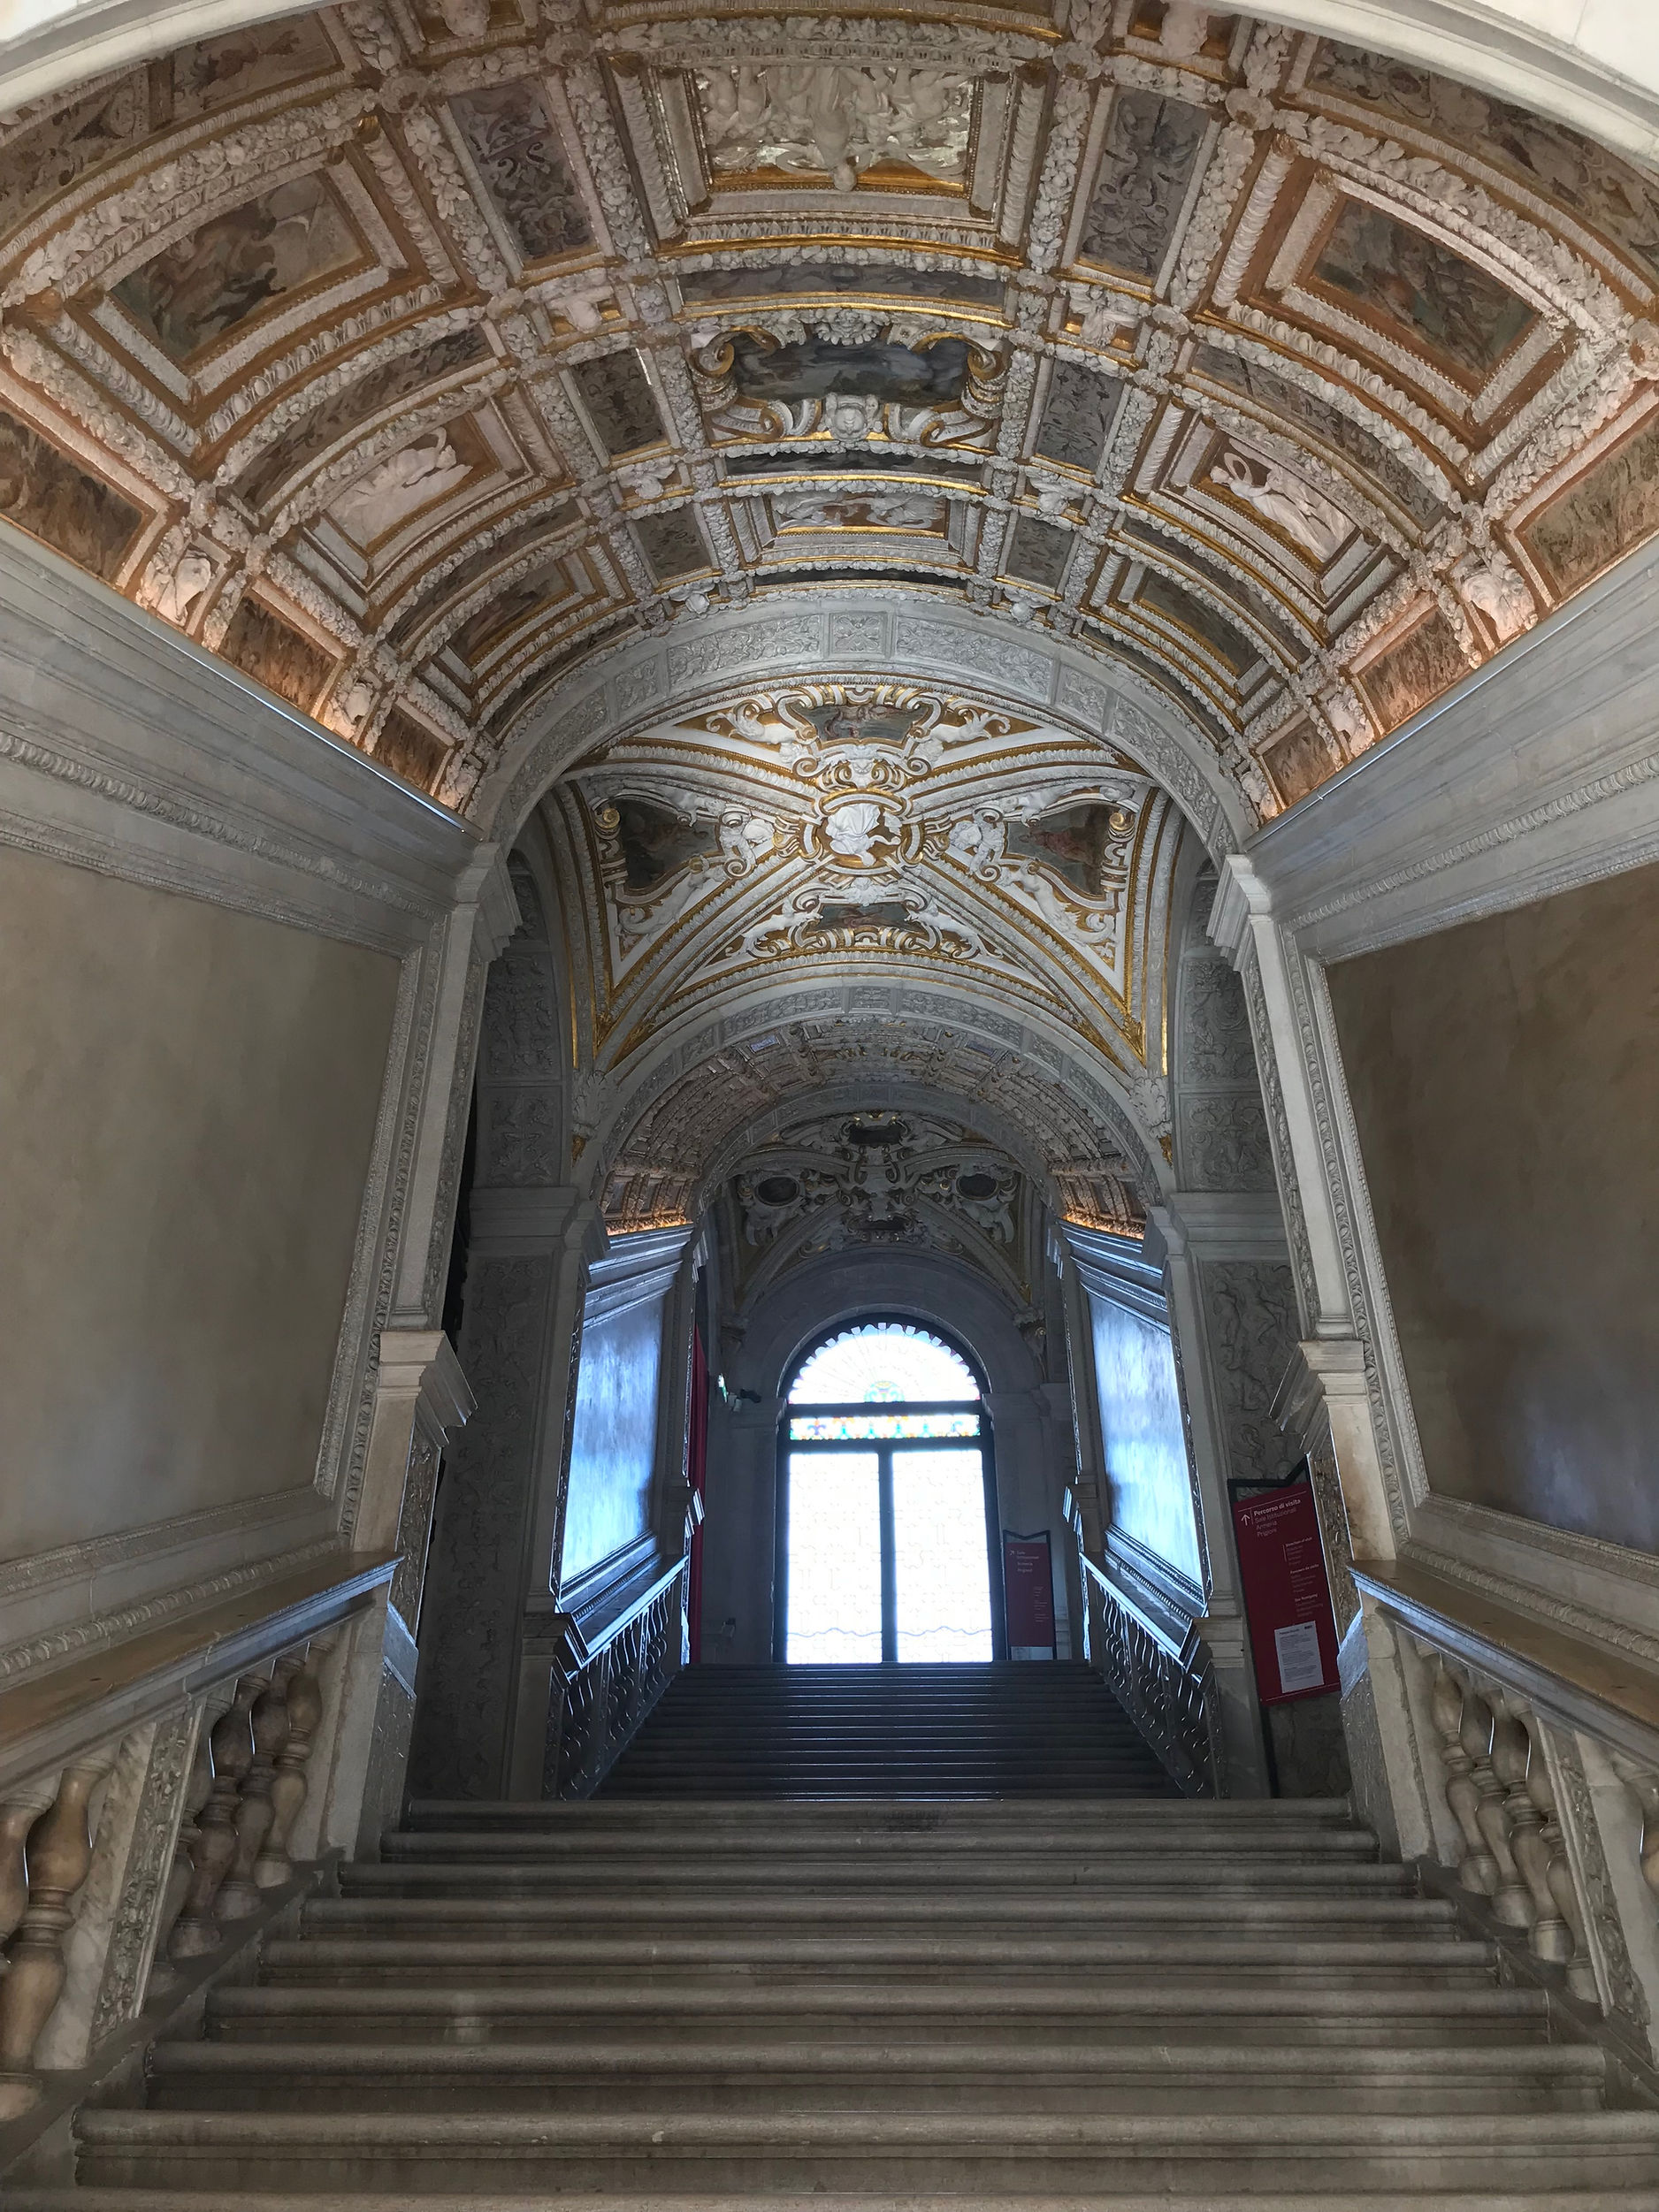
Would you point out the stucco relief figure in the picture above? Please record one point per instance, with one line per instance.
(836, 121)
(396, 488)
(864, 834)
(179, 592)
(1316, 523)
(1494, 589)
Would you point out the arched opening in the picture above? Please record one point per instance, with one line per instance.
(887, 1508)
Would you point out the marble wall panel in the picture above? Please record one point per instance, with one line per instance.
(1143, 1433)
(613, 1437)
(187, 1104)
(1503, 1077)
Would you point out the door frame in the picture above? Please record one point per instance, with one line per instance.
(883, 1450)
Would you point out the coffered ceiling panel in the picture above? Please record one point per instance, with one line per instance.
(410, 356)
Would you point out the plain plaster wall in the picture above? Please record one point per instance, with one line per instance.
(1504, 1076)
(187, 1103)
(613, 1435)
(1143, 1435)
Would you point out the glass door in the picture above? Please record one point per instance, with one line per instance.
(886, 1506)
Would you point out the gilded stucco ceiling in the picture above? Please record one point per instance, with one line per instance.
(408, 355)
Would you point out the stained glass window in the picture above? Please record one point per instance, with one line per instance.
(883, 1363)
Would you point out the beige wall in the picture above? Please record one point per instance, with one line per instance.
(1505, 1081)
(188, 1100)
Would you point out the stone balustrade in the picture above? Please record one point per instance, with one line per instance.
(608, 1681)
(1166, 1684)
(140, 1855)
(1541, 1796)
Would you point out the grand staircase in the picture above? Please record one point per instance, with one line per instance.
(889, 1732)
(1050, 2003)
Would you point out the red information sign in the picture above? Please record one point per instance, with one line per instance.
(1027, 1582)
(1281, 1564)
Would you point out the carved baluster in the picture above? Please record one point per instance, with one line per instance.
(231, 1747)
(1643, 1784)
(58, 1858)
(1580, 1970)
(1482, 1871)
(185, 1861)
(238, 1894)
(1447, 1703)
(1512, 1899)
(1551, 1937)
(289, 1784)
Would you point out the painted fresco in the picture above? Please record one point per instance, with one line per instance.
(1074, 843)
(881, 280)
(1297, 761)
(1039, 552)
(1613, 507)
(1432, 296)
(818, 368)
(873, 510)
(216, 71)
(656, 843)
(36, 166)
(1151, 152)
(1077, 415)
(262, 644)
(492, 623)
(1416, 669)
(411, 752)
(620, 402)
(1607, 193)
(478, 563)
(1190, 613)
(672, 544)
(332, 419)
(511, 138)
(78, 515)
(223, 273)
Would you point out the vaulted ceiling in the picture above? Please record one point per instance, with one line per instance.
(411, 356)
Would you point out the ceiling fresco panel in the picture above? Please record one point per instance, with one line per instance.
(317, 317)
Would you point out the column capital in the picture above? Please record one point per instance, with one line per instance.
(1241, 899)
(421, 1363)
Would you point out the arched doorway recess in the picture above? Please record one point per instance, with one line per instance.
(887, 1524)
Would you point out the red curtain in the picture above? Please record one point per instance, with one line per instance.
(696, 1469)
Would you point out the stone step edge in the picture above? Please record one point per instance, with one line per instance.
(756, 2059)
(490, 2199)
(870, 2134)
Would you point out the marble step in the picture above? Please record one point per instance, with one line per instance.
(1192, 1850)
(958, 1954)
(1427, 2198)
(886, 2074)
(596, 1816)
(1147, 2009)
(1087, 1885)
(883, 2151)
(1055, 1917)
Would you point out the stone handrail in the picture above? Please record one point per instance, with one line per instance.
(1164, 1682)
(1540, 1753)
(610, 1665)
(149, 1799)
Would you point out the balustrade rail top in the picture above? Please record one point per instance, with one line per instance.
(1169, 1629)
(48, 1718)
(1608, 1693)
